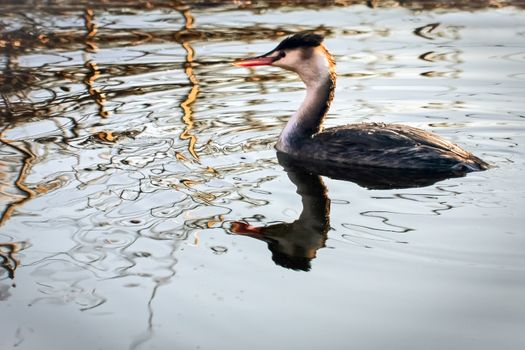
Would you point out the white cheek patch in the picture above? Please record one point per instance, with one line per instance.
(312, 66)
(292, 60)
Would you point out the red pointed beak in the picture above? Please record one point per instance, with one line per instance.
(255, 61)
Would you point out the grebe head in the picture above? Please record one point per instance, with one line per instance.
(302, 53)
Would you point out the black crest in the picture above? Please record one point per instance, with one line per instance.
(300, 40)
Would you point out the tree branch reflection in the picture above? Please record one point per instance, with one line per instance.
(93, 70)
(8, 260)
(28, 157)
(191, 97)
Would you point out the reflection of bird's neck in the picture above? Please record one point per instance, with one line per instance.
(318, 74)
(316, 204)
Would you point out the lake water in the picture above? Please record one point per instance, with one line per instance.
(132, 151)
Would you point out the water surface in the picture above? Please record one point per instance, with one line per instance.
(132, 151)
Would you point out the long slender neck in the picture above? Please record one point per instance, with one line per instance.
(308, 119)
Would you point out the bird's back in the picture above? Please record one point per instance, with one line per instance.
(387, 146)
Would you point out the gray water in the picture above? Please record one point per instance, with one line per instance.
(131, 150)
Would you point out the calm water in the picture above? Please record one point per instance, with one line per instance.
(131, 150)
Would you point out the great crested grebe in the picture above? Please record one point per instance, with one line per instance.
(379, 145)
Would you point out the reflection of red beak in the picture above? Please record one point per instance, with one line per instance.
(255, 61)
(242, 228)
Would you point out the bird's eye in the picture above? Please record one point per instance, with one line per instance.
(282, 54)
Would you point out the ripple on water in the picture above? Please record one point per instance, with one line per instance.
(134, 155)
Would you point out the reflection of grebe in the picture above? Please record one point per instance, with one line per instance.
(294, 245)
(370, 144)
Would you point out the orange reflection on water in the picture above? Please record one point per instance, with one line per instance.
(187, 118)
(27, 162)
(8, 261)
(91, 28)
(93, 70)
(98, 96)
